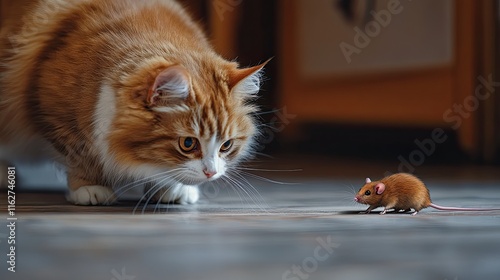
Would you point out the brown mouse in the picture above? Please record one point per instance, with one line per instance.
(401, 192)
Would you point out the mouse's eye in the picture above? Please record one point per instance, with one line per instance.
(368, 192)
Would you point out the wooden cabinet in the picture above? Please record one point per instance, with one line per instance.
(429, 95)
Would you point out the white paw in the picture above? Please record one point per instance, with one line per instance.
(181, 194)
(92, 195)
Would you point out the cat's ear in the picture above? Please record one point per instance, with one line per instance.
(171, 86)
(246, 82)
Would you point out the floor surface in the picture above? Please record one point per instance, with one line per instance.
(304, 227)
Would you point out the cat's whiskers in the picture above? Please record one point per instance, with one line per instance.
(242, 183)
(270, 126)
(236, 178)
(177, 177)
(142, 181)
(150, 193)
(158, 186)
(251, 187)
(263, 155)
(265, 179)
(265, 170)
(245, 196)
(125, 188)
(239, 190)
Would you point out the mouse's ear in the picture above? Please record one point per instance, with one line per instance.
(368, 180)
(380, 188)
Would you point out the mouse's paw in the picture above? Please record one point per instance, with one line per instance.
(368, 210)
(414, 213)
(383, 212)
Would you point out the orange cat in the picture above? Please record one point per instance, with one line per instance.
(124, 91)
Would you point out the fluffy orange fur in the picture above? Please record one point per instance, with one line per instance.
(70, 53)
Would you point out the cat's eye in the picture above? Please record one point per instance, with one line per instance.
(226, 146)
(188, 144)
(368, 192)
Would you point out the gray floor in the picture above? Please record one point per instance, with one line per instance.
(306, 230)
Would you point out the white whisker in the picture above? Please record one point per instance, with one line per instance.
(267, 112)
(165, 190)
(235, 185)
(256, 192)
(266, 179)
(264, 155)
(267, 170)
(123, 189)
(252, 192)
(170, 182)
(149, 194)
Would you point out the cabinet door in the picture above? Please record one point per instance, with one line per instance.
(401, 63)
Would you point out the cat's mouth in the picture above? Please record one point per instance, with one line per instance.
(192, 176)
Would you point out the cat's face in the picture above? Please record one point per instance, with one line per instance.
(196, 126)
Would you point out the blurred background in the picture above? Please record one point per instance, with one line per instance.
(409, 83)
(369, 78)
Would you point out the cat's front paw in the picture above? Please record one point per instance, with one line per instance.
(181, 194)
(92, 195)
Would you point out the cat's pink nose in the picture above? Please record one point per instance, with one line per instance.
(209, 173)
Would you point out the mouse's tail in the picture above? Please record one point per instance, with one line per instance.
(439, 207)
